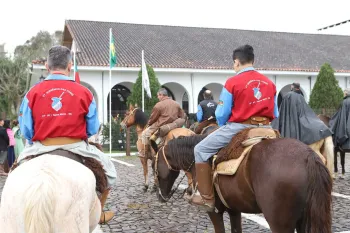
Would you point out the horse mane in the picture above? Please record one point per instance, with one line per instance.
(181, 150)
(141, 118)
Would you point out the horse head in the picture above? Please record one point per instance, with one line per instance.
(134, 116)
(129, 119)
(324, 118)
(177, 155)
(165, 177)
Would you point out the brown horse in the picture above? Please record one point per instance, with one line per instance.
(282, 178)
(137, 117)
(337, 149)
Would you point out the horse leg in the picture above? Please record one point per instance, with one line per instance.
(300, 227)
(342, 161)
(95, 214)
(145, 172)
(335, 160)
(218, 221)
(236, 222)
(190, 187)
(328, 152)
(155, 184)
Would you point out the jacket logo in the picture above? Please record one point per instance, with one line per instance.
(56, 102)
(209, 105)
(257, 93)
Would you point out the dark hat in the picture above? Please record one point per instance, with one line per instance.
(296, 85)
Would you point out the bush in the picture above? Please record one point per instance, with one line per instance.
(118, 137)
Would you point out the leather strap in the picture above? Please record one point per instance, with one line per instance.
(60, 141)
(216, 184)
(257, 120)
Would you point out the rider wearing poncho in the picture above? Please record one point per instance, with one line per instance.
(340, 123)
(59, 113)
(297, 120)
(245, 96)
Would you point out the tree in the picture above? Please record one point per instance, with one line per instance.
(38, 46)
(326, 93)
(135, 98)
(14, 77)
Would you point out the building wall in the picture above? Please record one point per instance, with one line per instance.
(179, 83)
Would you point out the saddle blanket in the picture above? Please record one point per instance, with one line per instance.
(231, 166)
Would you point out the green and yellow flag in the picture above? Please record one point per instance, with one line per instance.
(112, 54)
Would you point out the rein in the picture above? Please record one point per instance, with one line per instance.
(170, 168)
(123, 123)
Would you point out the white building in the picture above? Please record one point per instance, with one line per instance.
(187, 60)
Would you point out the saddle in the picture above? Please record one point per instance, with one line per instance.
(94, 165)
(201, 126)
(228, 159)
(158, 137)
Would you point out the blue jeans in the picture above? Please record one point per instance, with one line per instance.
(221, 137)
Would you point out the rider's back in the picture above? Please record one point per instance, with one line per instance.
(59, 109)
(253, 95)
(169, 110)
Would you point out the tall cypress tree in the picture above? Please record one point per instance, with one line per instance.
(326, 93)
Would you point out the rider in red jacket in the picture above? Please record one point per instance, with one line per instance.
(59, 113)
(246, 95)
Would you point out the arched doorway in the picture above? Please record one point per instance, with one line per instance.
(215, 89)
(120, 93)
(284, 91)
(185, 102)
(94, 93)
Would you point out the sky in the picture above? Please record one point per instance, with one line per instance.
(22, 19)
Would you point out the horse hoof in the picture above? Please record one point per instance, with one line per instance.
(189, 191)
(187, 197)
(154, 189)
(342, 176)
(145, 188)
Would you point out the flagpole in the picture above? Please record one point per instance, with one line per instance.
(110, 95)
(143, 90)
(74, 64)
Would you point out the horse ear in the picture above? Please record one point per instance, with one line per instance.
(131, 107)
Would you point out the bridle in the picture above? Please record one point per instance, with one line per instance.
(123, 123)
(172, 169)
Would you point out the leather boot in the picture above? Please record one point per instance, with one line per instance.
(2, 170)
(106, 216)
(204, 199)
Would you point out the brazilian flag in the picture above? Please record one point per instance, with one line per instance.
(112, 54)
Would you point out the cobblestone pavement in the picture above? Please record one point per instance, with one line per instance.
(137, 211)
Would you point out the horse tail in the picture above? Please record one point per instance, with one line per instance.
(328, 152)
(317, 214)
(40, 202)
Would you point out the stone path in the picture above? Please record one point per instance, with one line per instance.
(137, 211)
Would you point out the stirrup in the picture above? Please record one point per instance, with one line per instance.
(104, 218)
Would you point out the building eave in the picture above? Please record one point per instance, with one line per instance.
(193, 71)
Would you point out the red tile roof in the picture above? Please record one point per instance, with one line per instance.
(205, 48)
